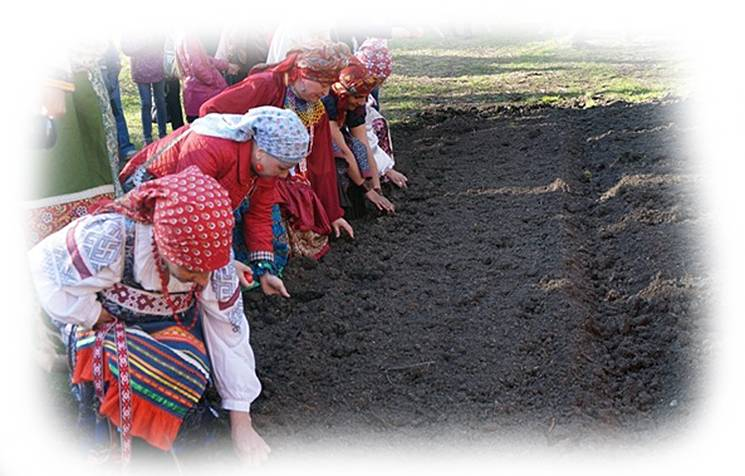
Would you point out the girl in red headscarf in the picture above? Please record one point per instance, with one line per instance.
(356, 166)
(374, 54)
(309, 198)
(146, 297)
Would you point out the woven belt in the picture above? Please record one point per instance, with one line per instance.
(125, 394)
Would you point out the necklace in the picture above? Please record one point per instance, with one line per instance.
(308, 112)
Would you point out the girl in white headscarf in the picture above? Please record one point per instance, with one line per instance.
(245, 153)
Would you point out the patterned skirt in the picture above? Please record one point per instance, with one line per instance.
(169, 372)
(306, 221)
(280, 239)
(358, 150)
(308, 243)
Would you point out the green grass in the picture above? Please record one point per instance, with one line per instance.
(131, 105)
(506, 69)
(518, 70)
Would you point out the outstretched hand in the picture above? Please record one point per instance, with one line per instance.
(249, 445)
(272, 285)
(399, 180)
(342, 224)
(380, 201)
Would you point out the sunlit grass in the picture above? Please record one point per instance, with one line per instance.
(501, 70)
(506, 69)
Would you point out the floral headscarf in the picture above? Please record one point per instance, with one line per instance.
(276, 131)
(374, 54)
(319, 61)
(354, 80)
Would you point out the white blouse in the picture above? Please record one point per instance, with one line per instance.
(87, 256)
(382, 159)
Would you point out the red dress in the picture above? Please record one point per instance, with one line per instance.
(229, 162)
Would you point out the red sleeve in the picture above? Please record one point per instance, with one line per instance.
(221, 159)
(138, 159)
(148, 151)
(255, 90)
(200, 152)
(257, 222)
(322, 170)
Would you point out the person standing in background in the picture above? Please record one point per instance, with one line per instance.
(173, 85)
(79, 168)
(245, 47)
(146, 53)
(203, 74)
(290, 35)
(110, 68)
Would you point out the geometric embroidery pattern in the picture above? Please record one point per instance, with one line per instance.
(102, 243)
(57, 264)
(236, 315)
(224, 282)
(225, 285)
(44, 221)
(145, 302)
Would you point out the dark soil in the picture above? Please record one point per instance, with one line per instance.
(543, 275)
(543, 278)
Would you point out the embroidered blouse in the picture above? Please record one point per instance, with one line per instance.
(72, 265)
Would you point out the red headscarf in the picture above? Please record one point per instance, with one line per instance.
(320, 62)
(354, 80)
(191, 217)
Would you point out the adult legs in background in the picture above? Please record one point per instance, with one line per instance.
(159, 91)
(146, 103)
(173, 103)
(126, 148)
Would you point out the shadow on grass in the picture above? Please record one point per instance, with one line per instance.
(450, 66)
(402, 108)
(486, 99)
(629, 92)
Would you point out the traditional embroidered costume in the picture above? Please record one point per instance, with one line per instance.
(170, 339)
(309, 198)
(354, 81)
(220, 145)
(374, 54)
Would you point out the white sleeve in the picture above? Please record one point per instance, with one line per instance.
(71, 265)
(227, 336)
(382, 159)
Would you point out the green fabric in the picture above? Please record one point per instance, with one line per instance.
(79, 160)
